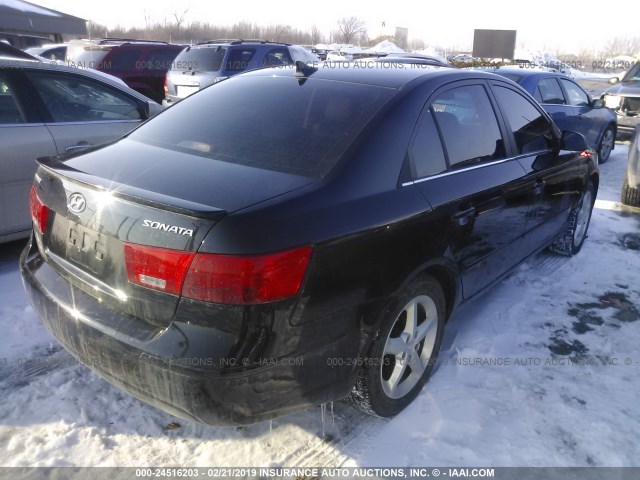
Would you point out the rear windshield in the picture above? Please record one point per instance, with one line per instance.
(511, 76)
(277, 124)
(207, 59)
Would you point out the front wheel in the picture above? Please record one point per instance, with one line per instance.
(576, 233)
(606, 145)
(404, 350)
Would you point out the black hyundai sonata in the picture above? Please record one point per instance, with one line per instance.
(295, 236)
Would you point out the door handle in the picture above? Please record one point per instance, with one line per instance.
(79, 146)
(462, 217)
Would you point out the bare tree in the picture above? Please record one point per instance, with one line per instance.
(316, 36)
(416, 44)
(623, 46)
(350, 29)
(179, 19)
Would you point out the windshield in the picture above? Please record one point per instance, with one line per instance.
(277, 124)
(633, 75)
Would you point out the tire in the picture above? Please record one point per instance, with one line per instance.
(607, 143)
(629, 196)
(574, 236)
(386, 383)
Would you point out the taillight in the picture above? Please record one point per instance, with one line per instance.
(238, 279)
(39, 211)
(157, 268)
(166, 86)
(586, 153)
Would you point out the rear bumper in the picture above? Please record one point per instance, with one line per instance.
(180, 369)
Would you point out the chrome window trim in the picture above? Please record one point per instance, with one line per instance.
(475, 167)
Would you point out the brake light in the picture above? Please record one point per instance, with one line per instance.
(39, 211)
(166, 86)
(157, 268)
(586, 153)
(234, 279)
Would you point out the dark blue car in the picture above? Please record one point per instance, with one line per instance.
(570, 107)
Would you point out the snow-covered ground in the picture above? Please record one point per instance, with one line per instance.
(543, 369)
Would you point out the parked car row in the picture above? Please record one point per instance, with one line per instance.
(53, 110)
(298, 235)
(201, 65)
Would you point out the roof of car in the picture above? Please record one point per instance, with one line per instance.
(239, 41)
(525, 72)
(374, 75)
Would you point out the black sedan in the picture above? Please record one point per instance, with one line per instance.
(290, 237)
(570, 107)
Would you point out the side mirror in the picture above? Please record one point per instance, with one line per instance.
(152, 109)
(573, 141)
(597, 103)
(614, 80)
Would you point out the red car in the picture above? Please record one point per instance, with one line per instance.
(141, 64)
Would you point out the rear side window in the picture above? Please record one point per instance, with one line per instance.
(10, 112)
(531, 129)
(205, 59)
(277, 57)
(71, 98)
(427, 152)
(468, 125)
(122, 60)
(91, 59)
(276, 124)
(575, 95)
(158, 60)
(550, 92)
(240, 59)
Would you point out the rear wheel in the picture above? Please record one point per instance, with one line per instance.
(606, 145)
(404, 351)
(576, 233)
(630, 196)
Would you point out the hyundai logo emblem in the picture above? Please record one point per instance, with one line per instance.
(77, 203)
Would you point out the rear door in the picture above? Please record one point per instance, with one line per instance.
(553, 179)
(589, 123)
(81, 112)
(24, 138)
(478, 191)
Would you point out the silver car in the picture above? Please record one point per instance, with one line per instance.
(51, 109)
(631, 183)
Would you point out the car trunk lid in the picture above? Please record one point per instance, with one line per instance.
(102, 219)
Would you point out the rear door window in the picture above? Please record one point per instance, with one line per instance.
(575, 95)
(277, 57)
(531, 130)
(426, 150)
(468, 126)
(10, 111)
(72, 98)
(240, 59)
(550, 92)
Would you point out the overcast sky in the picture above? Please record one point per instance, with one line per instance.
(542, 24)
